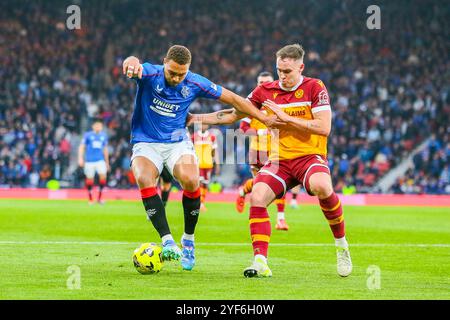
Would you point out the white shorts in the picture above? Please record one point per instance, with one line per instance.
(90, 168)
(164, 153)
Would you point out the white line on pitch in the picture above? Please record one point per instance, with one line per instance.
(230, 244)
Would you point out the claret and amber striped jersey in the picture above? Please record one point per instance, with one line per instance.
(204, 143)
(302, 101)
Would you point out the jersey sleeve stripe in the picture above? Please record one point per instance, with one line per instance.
(203, 89)
(151, 74)
(321, 108)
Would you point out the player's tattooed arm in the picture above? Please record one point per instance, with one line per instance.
(243, 106)
(227, 116)
(320, 125)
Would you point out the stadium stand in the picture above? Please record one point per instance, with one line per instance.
(389, 88)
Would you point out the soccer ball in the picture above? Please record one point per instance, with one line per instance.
(147, 259)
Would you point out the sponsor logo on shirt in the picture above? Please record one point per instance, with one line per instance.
(97, 144)
(164, 108)
(323, 98)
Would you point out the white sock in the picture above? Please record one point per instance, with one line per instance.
(341, 242)
(241, 192)
(188, 236)
(166, 237)
(280, 216)
(260, 256)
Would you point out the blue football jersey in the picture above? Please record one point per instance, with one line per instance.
(94, 146)
(160, 110)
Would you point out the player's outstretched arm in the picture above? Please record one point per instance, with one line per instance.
(246, 107)
(132, 67)
(242, 105)
(81, 150)
(320, 125)
(106, 156)
(222, 117)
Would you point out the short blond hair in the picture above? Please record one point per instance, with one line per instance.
(293, 51)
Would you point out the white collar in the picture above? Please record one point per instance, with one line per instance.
(294, 88)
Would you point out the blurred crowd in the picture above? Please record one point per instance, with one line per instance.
(430, 171)
(389, 88)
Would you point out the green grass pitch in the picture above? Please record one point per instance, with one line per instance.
(40, 240)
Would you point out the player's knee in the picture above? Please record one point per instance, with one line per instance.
(320, 187)
(145, 181)
(257, 199)
(189, 183)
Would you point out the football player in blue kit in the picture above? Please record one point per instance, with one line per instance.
(159, 138)
(93, 156)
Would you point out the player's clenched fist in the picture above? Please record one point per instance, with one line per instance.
(132, 68)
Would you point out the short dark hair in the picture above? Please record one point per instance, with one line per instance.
(95, 120)
(179, 54)
(293, 51)
(265, 74)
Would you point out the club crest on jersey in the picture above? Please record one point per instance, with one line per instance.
(275, 94)
(185, 91)
(299, 93)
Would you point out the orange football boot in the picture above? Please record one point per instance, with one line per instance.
(282, 225)
(240, 202)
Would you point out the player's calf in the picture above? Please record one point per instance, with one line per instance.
(156, 213)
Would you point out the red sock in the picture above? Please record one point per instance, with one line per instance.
(148, 192)
(332, 209)
(191, 208)
(280, 204)
(102, 184)
(260, 230)
(89, 183)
